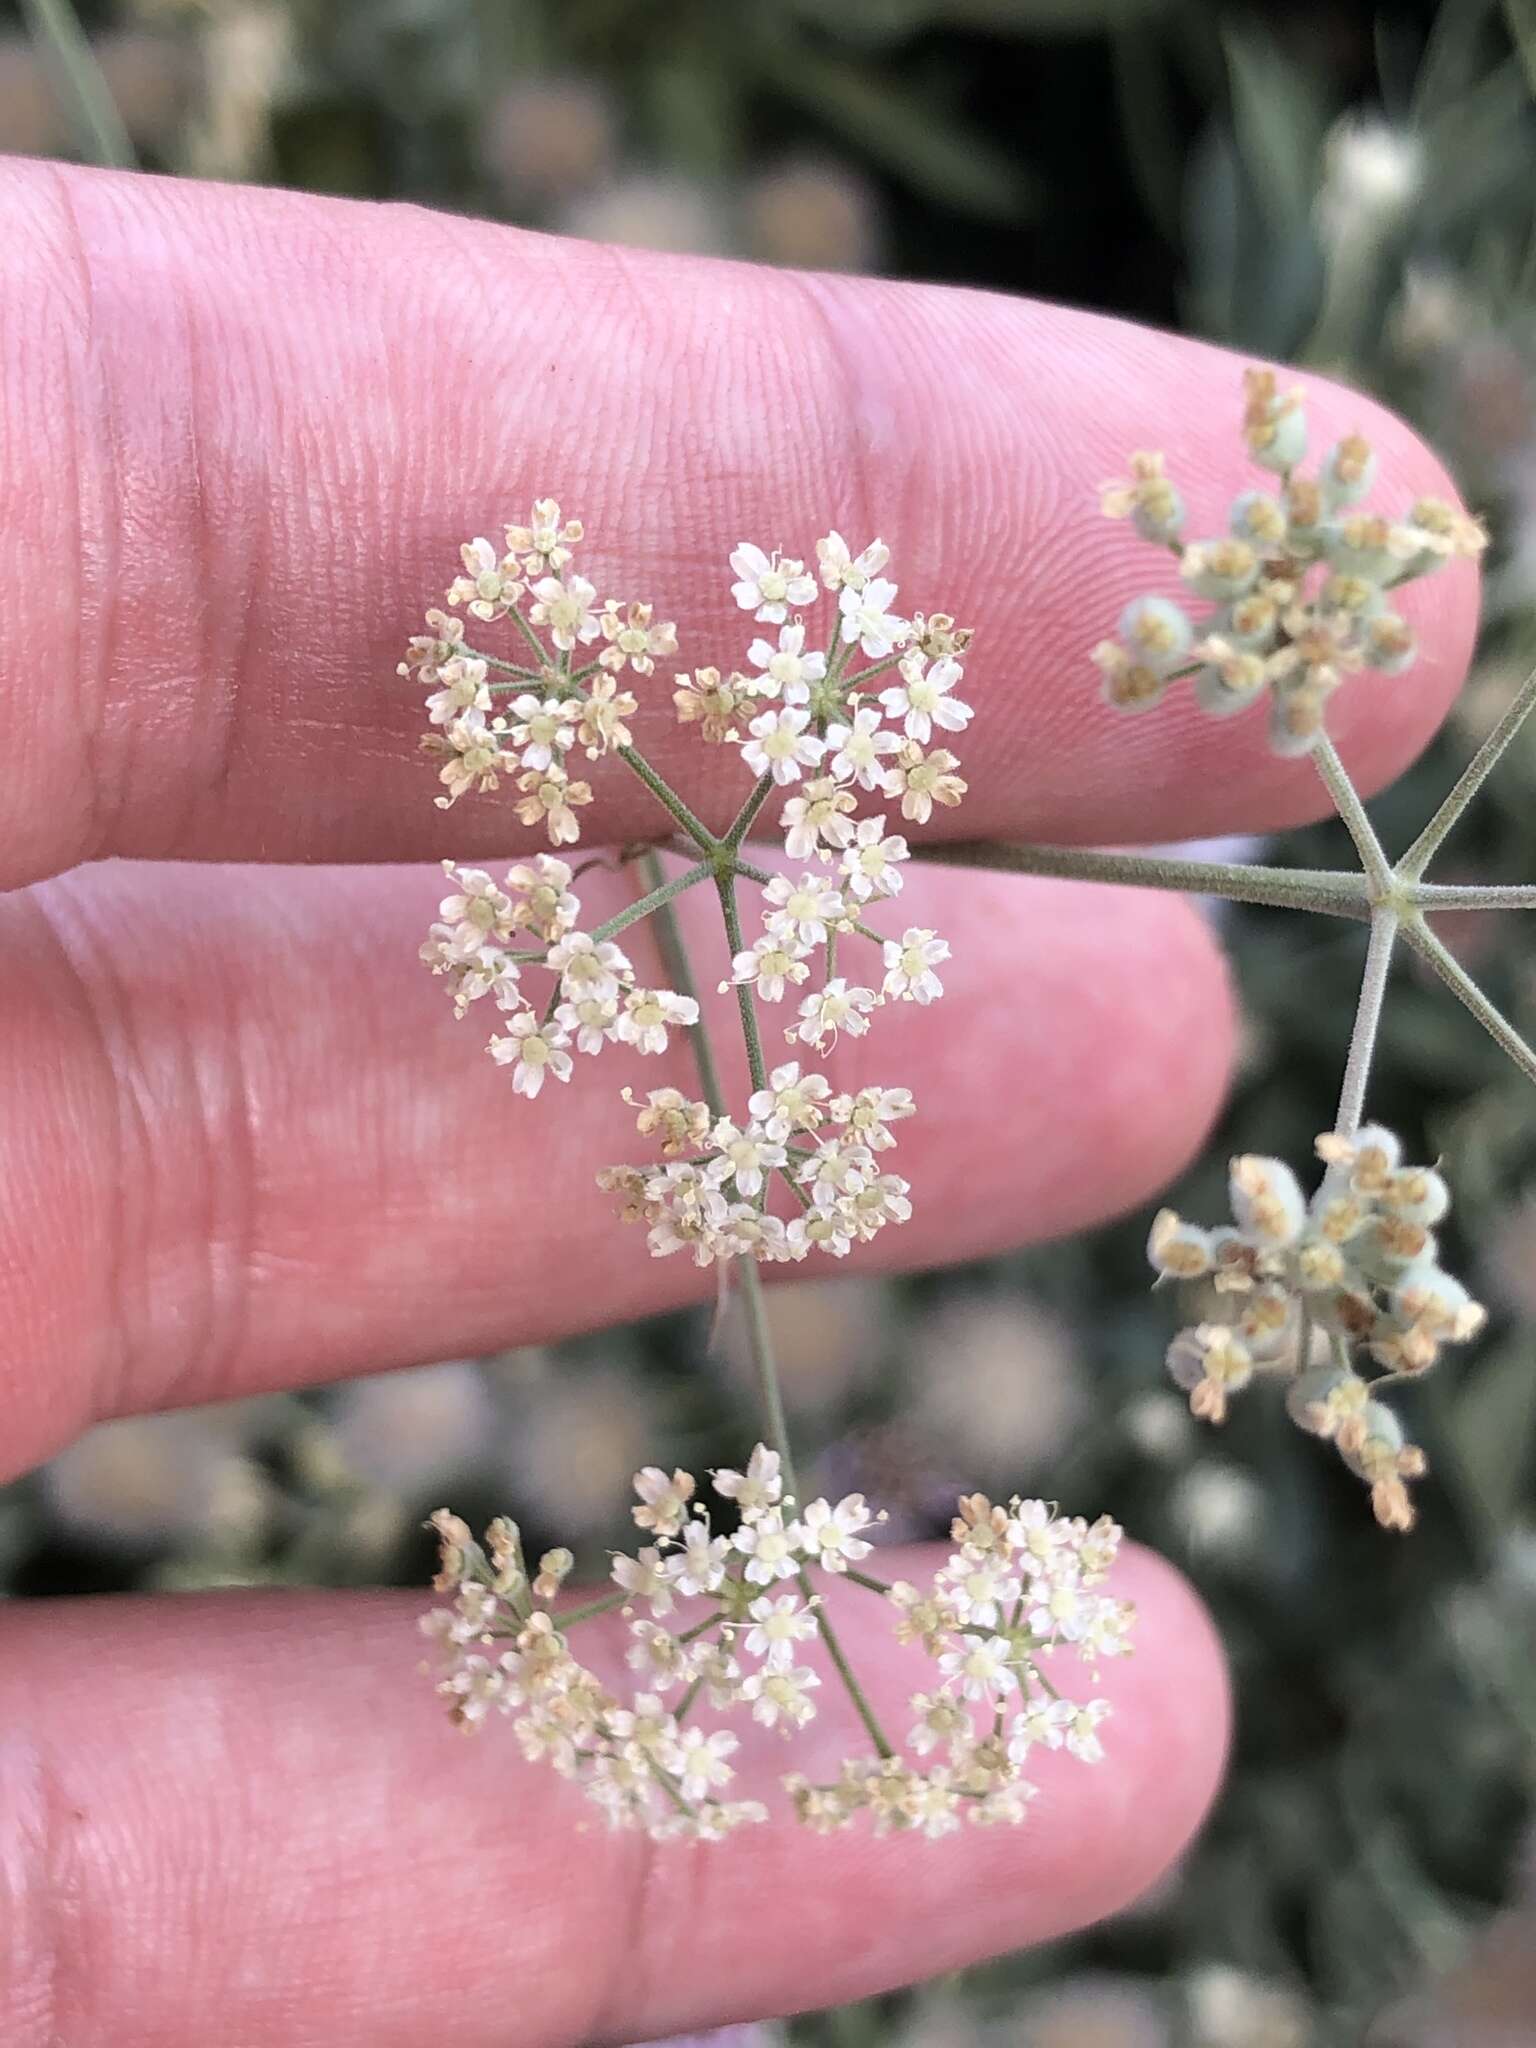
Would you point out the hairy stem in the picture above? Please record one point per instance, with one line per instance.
(1470, 781)
(1457, 979)
(663, 792)
(1432, 896)
(1333, 891)
(765, 1367)
(674, 957)
(589, 1609)
(746, 1000)
(855, 1692)
(97, 126)
(643, 906)
(1362, 1040)
(742, 823)
(1347, 802)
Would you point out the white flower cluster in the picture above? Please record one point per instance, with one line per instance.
(553, 708)
(713, 1204)
(595, 1000)
(1304, 1290)
(1300, 582)
(820, 732)
(728, 1620)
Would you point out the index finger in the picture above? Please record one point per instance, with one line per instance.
(242, 433)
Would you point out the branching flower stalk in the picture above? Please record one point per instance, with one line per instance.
(1337, 1295)
(799, 1171)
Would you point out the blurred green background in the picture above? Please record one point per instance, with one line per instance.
(1352, 186)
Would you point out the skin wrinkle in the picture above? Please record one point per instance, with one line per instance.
(344, 1240)
(343, 585)
(388, 1954)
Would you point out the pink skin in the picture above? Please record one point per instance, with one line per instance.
(241, 434)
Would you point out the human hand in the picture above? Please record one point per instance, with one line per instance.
(243, 1147)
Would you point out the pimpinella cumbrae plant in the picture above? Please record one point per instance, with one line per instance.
(844, 729)
(845, 733)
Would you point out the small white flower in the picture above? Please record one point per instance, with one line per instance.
(841, 570)
(566, 610)
(699, 1565)
(831, 1534)
(760, 1486)
(791, 1102)
(909, 965)
(1042, 1724)
(592, 1022)
(775, 960)
(662, 1499)
(854, 751)
(476, 912)
(648, 1013)
(800, 912)
(771, 1548)
(644, 1577)
(833, 1009)
(781, 1696)
(868, 1114)
(701, 1760)
(777, 1626)
(872, 862)
(816, 818)
(545, 728)
(490, 585)
(921, 699)
(780, 744)
(769, 586)
(867, 619)
(746, 1156)
(981, 1668)
(589, 967)
(547, 905)
(1082, 1732)
(788, 671)
(461, 688)
(534, 1051)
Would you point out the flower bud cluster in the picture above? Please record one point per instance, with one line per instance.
(1309, 1290)
(1300, 584)
(728, 1620)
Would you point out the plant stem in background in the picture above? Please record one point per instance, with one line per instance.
(66, 53)
(1333, 891)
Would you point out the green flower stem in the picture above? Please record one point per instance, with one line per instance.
(765, 1365)
(1332, 891)
(664, 892)
(746, 1001)
(759, 1337)
(1362, 1040)
(589, 1610)
(855, 1692)
(867, 1580)
(696, 829)
(1470, 781)
(741, 824)
(1433, 896)
(674, 956)
(97, 126)
(1348, 804)
(531, 636)
(1457, 979)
